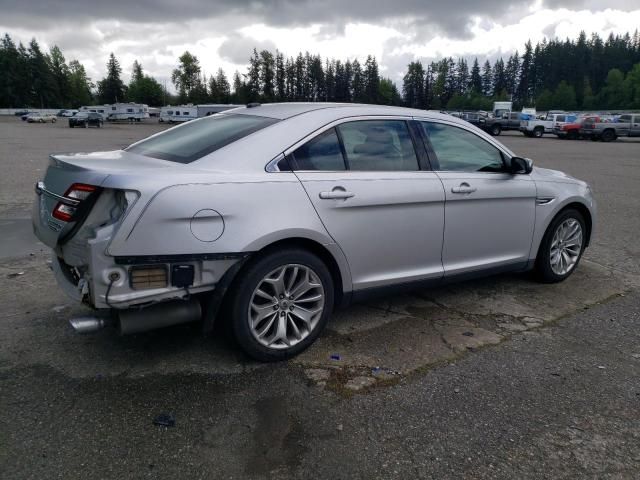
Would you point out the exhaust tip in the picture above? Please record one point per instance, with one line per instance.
(85, 325)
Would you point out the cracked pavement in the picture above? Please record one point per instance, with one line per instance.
(495, 378)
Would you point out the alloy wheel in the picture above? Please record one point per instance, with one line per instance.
(286, 306)
(566, 246)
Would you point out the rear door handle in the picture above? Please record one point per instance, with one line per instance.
(337, 193)
(463, 188)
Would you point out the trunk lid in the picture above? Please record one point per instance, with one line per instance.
(81, 168)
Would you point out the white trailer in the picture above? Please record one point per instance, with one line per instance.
(178, 114)
(127, 111)
(210, 109)
(101, 109)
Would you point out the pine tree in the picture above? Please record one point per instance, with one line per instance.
(357, 83)
(371, 80)
(475, 82)
(111, 89)
(280, 77)
(524, 90)
(487, 79)
(267, 75)
(413, 85)
(253, 77)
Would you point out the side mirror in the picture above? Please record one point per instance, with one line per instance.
(521, 166)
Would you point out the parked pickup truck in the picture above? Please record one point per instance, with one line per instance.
(572, 130)
(537, 128)
(508, 121)
(628, 125)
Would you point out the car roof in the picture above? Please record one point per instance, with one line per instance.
(284, 111)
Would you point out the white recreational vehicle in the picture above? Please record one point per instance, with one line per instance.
(119, 111)
(184, 113)
(128, 111)
(206, 110)
(178, 114)
(101, 109)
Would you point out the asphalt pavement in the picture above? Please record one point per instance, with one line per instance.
(499, 378)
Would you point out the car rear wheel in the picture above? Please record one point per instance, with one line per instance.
(538, 132)
(495, 130)
(280, 304)
(561, 247)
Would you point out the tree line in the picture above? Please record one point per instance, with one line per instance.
(585, 73)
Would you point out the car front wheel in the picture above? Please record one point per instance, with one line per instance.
(561, 247)
(280, 304)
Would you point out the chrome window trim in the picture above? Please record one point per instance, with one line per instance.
(271, 168)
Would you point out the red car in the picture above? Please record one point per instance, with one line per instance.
(571, 131)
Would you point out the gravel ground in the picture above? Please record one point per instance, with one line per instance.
(500, 378)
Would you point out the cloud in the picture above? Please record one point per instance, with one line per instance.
(237, 47)
(223, 33)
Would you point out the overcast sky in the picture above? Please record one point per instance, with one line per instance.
(222, 33)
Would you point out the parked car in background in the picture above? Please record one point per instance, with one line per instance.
(538, 127)
(68, 113)
(25, 115)
(41, 118)
(20, 113)
(86, 119)
(282, 211)
(627, 125)
(507, 121)
(477, 119)
(571, 130)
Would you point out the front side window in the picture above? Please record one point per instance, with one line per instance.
(378, 145)
(624, 119)
(194, 140)
(457, 149)
(320, 153)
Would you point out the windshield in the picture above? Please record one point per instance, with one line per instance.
(196, 139)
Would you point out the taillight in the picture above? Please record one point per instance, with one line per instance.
(74, 196)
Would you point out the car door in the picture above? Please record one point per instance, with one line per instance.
(365, 180)
(489, 213)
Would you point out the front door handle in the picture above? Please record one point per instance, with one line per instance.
(463, 188)
(338, 193)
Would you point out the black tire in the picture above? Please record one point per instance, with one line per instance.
(86, 124)
(538, 132)
(246, 282)
(495, 129)
(608, 136)
(53, 121)
(572, 135)
(543, 270)
(98, 125)
(70, 126)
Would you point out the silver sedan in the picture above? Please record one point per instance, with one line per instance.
(269, 216)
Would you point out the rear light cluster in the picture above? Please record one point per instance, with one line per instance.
(75, 195)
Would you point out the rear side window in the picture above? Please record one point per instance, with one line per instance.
(194, 140)
(378, 145)
(320, 153)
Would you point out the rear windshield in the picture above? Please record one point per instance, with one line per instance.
(194, 140)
